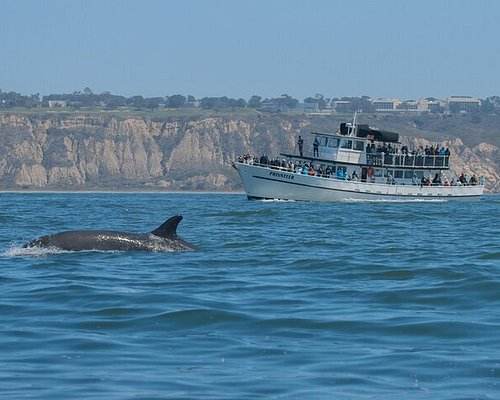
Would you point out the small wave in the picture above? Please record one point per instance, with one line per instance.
(276, 201)
(395, 200)
(18, 251)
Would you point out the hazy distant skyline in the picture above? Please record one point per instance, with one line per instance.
(391, 48)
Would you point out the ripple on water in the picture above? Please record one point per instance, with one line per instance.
(287, 299)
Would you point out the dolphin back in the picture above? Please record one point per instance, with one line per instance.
(164, 239)
(169, 228)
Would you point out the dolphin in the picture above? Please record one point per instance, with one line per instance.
(162, 239)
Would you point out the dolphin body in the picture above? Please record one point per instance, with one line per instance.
(162, 239)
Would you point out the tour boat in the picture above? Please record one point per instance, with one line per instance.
(357, 163)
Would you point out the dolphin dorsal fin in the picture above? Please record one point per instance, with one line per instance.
(169, 227)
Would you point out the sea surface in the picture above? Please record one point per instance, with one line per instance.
(282, 300)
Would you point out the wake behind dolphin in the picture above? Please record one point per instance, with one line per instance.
(162, 239)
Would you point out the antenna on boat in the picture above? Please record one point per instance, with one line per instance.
(354, 124)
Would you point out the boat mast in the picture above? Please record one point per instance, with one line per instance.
(354, 124)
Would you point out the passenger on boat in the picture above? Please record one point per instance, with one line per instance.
(247, 159)
(437, 180)
(300, 143)
(462, 179)
(354, 176)
(316, 147)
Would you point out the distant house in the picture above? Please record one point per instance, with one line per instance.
(57, 103)
(421, 105)
(307, 107)
(395, 105)
(435, 106)
(457, 104)
(270, 106)
(342, 106)
(385, 105)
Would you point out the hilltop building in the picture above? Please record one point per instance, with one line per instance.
(463, 103)
(57, 103)
(385, 104)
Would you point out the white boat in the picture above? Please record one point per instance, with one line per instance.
(357, 163)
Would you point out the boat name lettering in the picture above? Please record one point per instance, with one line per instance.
(281, 175)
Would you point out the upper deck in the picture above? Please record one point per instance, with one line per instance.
(364, 146)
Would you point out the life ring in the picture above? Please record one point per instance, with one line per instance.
(370, 172)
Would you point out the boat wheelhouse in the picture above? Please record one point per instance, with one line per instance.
(357, 163)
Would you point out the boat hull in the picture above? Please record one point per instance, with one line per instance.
(261, 182)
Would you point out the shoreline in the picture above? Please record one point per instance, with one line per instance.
(52, 191)
(180, 192)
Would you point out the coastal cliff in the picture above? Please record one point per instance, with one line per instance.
(78, 151)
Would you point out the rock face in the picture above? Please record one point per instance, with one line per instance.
(83, 152)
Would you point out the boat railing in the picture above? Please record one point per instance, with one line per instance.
(408, 160)
(294, 171)
(289, 170)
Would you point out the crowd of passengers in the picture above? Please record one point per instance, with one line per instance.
(300, 167)
(420, 151)
(305, 168)
(463, 180)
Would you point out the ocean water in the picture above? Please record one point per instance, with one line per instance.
(282, 300)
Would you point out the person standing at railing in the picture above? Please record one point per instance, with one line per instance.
(300, 143)
(316, 147)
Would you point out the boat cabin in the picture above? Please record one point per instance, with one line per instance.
(371, 154)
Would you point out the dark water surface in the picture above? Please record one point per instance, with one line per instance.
(283, 300)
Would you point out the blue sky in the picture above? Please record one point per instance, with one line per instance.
(386, 48)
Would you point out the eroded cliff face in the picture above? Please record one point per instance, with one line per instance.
(99, 152)
(78, 152)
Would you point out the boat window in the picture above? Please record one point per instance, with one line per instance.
(408, 174)
(333, 142)
(347, 144)
(323, 140)
(387, 172)
(378, 172)
(359, 145)
(419, 174)
(398, 173)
